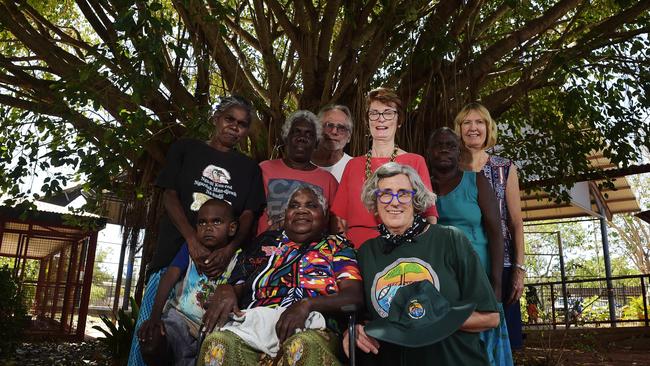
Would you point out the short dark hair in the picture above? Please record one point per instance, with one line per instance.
(230, 212)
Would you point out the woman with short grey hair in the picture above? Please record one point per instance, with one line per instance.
(427, 295)
(301, 133)
(319, 196)
(422, 199)
(301, 115)
(286, 280)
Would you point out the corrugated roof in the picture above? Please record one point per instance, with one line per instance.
(619, 199)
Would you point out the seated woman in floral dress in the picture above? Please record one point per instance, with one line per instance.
(286, 280)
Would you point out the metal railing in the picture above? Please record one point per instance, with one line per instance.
(585, 302)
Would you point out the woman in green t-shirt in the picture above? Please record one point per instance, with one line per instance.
(427, 295)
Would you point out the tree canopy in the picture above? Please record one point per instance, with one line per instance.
(101, 88)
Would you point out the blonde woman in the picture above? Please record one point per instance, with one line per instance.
(478, 132)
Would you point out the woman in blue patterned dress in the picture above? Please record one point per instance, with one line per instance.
(478, 132)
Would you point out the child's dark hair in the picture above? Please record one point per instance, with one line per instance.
(219, 202)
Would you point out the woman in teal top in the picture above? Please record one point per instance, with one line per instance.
(466, 201)
(460, 208)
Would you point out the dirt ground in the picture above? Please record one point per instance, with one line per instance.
(564, 357)
(616, 347)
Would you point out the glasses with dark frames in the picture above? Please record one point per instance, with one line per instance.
(388, 115)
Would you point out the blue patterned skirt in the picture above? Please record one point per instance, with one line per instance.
(497, 342)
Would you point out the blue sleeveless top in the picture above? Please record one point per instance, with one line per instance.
(460, 208)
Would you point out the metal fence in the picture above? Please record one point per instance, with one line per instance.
(102, 296)
(587, 303)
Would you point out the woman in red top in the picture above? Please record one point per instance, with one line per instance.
(385, 116)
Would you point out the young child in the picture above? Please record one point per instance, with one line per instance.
(172, 331)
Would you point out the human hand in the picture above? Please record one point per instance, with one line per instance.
(517, 283)
(198, 252)
(217, 261)
(149, 329)
(365, 342)
(222, 303)
(291, 319)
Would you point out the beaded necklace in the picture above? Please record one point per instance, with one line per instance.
(369, 157)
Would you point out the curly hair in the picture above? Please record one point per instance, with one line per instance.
(422, 200)
(301, 115)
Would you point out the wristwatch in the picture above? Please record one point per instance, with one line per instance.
(521, 267)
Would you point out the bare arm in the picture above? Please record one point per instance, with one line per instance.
(154, 324)
(174, 210)
(517, 230)
(480, 321)
(350, 292)
(167, 282)
(487, 202)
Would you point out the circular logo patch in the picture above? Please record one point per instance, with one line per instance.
(416, 311)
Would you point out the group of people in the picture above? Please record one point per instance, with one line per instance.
(259, 263)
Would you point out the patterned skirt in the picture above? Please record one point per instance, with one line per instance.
(497, 342)
(135, 357)
(310, 347)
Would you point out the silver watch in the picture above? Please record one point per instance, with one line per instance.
(521, 267)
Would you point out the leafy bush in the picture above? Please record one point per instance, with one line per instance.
(118, 338)
(634, 309)
(13, 314)
(97, 293)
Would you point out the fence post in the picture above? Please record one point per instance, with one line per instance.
(644, 293)
(553, 306)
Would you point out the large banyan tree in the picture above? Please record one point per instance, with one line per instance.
(96, 90)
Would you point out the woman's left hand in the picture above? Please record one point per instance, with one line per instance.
(217, 261)
(517, 280)
(293, 318)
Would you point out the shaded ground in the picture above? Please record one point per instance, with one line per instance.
(618, 347)
(561, 357)
(89, 353)
(613, 346)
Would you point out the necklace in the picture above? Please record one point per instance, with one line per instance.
(369, 157)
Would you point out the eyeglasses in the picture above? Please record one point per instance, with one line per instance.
(387, 196)
(329, 126)
(388, 115)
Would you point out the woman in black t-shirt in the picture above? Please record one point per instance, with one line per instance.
(196, 171)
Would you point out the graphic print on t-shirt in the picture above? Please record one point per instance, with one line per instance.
(279, 190)
(215, 182)
(401, 272)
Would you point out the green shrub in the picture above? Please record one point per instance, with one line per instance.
(97, 293)
(13, 314)
(634, 309)
(118, 338)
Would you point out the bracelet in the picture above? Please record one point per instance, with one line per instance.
(520, 266)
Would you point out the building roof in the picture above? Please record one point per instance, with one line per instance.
(586, 196)
(37, 233)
